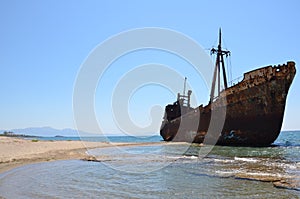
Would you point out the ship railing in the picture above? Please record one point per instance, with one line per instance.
(235, 81)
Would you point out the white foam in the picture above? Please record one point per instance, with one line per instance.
(190, 157)
(224, 160)
(245, 159)
(265, 174)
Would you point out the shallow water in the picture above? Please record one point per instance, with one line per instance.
(162, 171)
(81, 179)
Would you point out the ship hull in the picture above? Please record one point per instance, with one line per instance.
(247, 114)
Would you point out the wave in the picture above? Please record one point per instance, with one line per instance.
(246, 159)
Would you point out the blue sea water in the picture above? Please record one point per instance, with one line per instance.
(129, 139)
(157, 170)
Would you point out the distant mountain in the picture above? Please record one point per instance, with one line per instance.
(49, 132)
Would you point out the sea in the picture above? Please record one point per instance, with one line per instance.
(153, 169)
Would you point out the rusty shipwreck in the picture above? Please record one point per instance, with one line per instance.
(249, 113)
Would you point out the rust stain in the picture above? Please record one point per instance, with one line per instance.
(254, 110)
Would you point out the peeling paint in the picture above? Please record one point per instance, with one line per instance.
(254, 110)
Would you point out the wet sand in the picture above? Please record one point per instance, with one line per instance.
(15, 152)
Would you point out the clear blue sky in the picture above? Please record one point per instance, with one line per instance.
(44, 43)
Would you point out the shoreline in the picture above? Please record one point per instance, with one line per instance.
(16, 152)
(51, 156)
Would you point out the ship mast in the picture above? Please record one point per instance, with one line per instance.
(185, 100)
(184, 86)
(219, 63)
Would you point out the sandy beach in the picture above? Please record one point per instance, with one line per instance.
(15, 152)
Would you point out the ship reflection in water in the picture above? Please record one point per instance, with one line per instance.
(249, 113)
